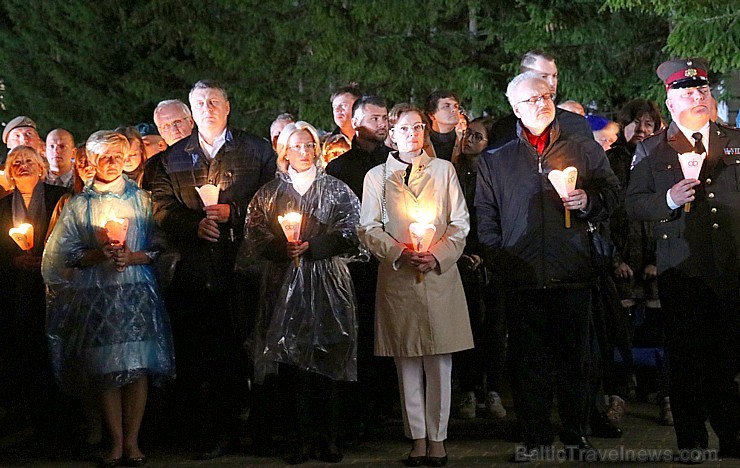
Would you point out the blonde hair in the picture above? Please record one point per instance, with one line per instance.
(21, 152)
(101, 140)
(284, 138)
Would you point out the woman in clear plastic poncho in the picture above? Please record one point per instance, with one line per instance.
(307, 322)
(106, 324)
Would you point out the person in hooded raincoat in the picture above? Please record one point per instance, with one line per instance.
(421, 315)
(307, 323)
(106, 324)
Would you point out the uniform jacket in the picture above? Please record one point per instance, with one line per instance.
(243, 164)
(416, 318)
(706, 241)
(521, 216)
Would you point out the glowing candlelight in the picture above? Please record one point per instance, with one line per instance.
(564, 182)
(116, 229)
(422, 232)
(209, 194)
(23, 236)
(691, 167)
(291, 224)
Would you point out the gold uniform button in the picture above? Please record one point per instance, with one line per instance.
(709, 181)
(711, 195)
(665, 236)
(715, 226)
(714, 210)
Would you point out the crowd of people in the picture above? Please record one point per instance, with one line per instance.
(196, 271)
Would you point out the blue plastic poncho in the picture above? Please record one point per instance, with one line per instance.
(307, 316)
(105, 328)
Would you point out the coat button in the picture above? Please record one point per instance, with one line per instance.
(715, 226)
(665, 236)
(669, 166)
(709, 181)
(714, 210)
(711, 195)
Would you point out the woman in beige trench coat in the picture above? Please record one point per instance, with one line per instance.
(420, 313)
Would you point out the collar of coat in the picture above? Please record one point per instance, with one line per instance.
(193, 146)
(718, 141)
(418, 164)
(554, 133)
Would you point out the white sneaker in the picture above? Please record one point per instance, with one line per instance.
(494, 407)
(466, 410)
(665, 415)
(616, 409)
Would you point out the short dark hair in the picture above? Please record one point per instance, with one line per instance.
(352, 89)
(635, 108)
(435, 96)
(362, 101)
(530, 57)
(487, 122)
(209, 84)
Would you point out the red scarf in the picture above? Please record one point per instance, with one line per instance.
(538, 141)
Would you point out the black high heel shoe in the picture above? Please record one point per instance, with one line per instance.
(437, 461)
(415, 461)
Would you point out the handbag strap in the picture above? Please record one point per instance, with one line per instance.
(384, 204)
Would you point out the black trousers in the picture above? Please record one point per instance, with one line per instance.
(549, 329)
(703, 337)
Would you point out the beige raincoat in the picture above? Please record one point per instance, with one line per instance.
(416, 318)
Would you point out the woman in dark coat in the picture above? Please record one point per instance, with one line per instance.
(21, 285)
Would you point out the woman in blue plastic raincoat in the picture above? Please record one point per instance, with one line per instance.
(106, 323)
(307, 321)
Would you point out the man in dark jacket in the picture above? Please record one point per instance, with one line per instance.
(504, 130)
(697, 232)
(204, 319)
(370, 123)
(544, 266)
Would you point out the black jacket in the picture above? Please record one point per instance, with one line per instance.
(505, 129)
(352, 166)
(521, 216)
(706, 241)
(243, 164)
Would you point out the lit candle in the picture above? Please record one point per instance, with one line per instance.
(422, 232)
(23, 236)
(291, 224)
(116, 229)
(564, 182)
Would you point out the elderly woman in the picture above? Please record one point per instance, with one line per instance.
(30, 201)
(421, 313)
(106, 324)
(307, 324)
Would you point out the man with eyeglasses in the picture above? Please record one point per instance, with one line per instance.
(174, 122)
(571, 123)
(207, 326)
(443, 111)
(697, 231)
(544, 265)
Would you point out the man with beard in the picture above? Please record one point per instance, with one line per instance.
(370, 123)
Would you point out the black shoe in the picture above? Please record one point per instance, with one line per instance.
(415, 461)
(603, 428)
(136, 461)
(110, 462)
(300, 454)
(436, 461)
(581, 450)
(217, 451)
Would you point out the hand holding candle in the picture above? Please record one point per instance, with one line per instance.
(23, 236)
(564, 182)
(691, 167)
(291, 224)
(421, 238)
(116, 229)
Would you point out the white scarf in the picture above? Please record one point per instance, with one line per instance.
(118, 186)
(302, 180)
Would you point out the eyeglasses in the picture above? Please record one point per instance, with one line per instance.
(475, 137)
(534, 100)
(407, 130)
(174, 124)
(308, 147)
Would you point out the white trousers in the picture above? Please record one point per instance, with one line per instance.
(426, 409)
